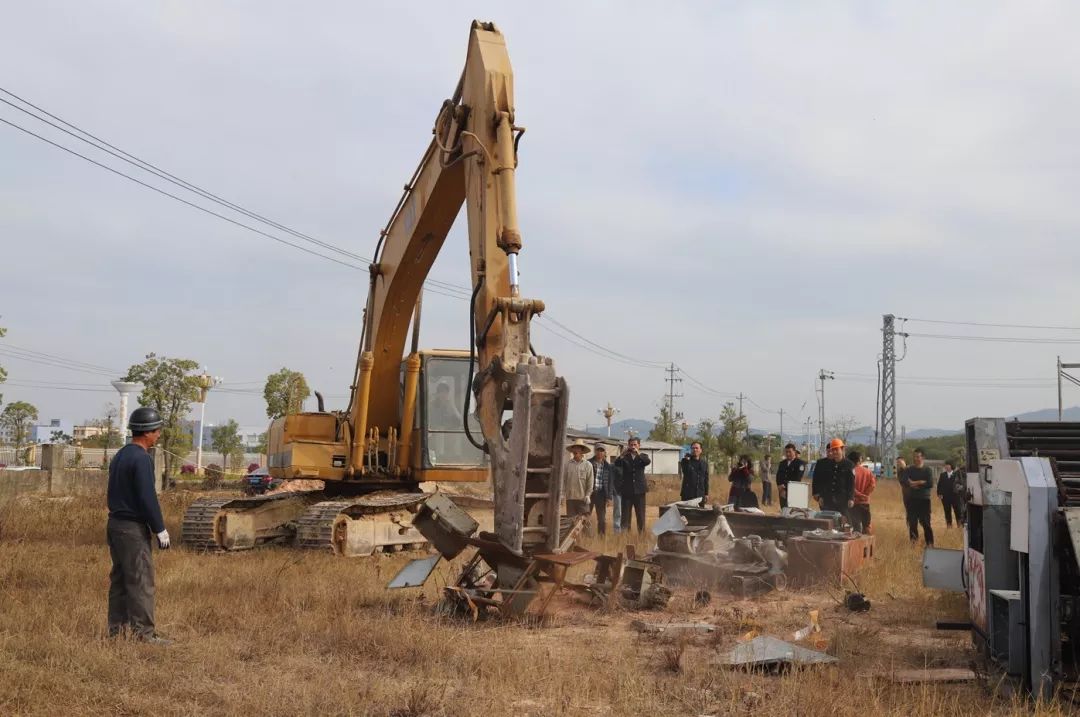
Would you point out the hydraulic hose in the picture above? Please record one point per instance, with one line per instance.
(472, 366)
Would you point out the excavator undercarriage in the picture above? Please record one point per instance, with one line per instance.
(351, 527)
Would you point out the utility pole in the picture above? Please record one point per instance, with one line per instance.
(807, 436)
(608, 413)
(781, 426)
(877, 410)
(1062, 374)
(888, 396)
(672, 372)
(822, 376)
(746, 437)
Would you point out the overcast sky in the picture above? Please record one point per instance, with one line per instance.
(742, 189)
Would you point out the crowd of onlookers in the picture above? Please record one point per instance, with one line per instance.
(839, 483)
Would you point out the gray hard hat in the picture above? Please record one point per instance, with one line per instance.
(145, 419)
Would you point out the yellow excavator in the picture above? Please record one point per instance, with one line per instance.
(496, 410)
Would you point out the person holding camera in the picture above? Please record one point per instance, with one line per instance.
(633, 486)
(740, 493)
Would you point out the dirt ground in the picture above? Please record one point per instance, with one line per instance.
(283, 632)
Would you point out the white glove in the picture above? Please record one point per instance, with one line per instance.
(163, 540)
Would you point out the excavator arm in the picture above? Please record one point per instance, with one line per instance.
(471, 160)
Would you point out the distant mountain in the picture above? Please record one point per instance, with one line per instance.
(638, 426)
(1049, 414)
(863, 434)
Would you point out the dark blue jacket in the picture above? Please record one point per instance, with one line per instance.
(632, 469)
(695, 478)
(131, 488)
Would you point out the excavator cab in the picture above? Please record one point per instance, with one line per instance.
(443, 447)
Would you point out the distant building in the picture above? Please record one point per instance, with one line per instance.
(43, 433)
(664, 457)
(249, 435)
(81, 433)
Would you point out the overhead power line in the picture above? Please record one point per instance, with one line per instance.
(131, 159)
(193, 205)
(998, 326)
(997, 339)
(441, 288)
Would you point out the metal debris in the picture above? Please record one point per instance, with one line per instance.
(669, 521)
(672, 628)
(762, 652)
(944, 674)
(415, 573)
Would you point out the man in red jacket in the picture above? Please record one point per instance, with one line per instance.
(864, 486)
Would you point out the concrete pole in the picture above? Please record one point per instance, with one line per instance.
(206, 382)
(124, 388)
(199, 436)
(1059, 388)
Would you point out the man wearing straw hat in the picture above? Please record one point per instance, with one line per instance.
(577, 480)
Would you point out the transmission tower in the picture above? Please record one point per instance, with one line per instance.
(887, 448)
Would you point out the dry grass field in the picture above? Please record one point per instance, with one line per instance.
(283, 632)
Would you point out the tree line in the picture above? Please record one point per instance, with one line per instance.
(170, 385)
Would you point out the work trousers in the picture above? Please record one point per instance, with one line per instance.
(837, 505)
(952, 505)
(599, 504)
(577, 507)
(781, 489)
(766, 492)
(859, 516)
(919, 514)
(131, 581)
(635, 503)
(616, 511)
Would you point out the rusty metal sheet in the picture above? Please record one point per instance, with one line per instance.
(567, 559)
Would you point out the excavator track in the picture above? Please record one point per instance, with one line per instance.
(379, 522)
(197, 530)
(223, 523)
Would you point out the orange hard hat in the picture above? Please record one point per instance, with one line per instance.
(836, 443)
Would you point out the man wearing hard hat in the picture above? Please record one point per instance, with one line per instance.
(834, 480)
(134, 517)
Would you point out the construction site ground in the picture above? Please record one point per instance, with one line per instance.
(278, 631)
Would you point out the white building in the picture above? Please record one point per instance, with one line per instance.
(663, 457)
(43, 433)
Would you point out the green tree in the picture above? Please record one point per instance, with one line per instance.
(285, 393)
(264, 439)
(665, 428)
(61, 437)
(225, 439)
(170, 386)
(108, 435)
(732, 430)
(18, 419)
(706, 436)
(940, 448)
(841, 427)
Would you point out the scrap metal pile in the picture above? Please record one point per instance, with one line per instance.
(496, 579)
(749, 552)
(745, 553)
